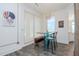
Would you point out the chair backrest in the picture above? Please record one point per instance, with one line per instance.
(52, 35)
(55, 36)
(46, 34)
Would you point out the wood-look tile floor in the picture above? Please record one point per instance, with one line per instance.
(62, 50)
(65, 50)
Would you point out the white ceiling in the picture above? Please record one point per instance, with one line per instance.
(47, 7)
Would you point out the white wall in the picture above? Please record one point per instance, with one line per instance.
(71, 18)
(17, 33)
(9, 35)
(63, 35)
(44, 24)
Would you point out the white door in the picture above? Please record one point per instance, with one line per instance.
(37, 26)
(28, 17)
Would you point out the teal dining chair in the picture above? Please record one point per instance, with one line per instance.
(46, 41)
(49, 40)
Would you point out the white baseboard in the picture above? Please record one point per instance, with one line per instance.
(13, 48)
(9, 49)
(28, 43)
(62, 42)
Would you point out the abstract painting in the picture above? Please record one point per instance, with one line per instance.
(8, 18)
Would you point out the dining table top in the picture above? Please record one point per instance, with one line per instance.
(44, 32)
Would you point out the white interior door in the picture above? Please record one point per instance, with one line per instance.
(28, 27)
(37, 26)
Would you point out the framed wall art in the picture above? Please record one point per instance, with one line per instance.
(61, 24)
(8, 18)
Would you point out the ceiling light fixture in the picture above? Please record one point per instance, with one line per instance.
(36, 4)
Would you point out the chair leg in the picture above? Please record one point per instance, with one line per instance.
(56, 45)
(46, 44)
(52, 46)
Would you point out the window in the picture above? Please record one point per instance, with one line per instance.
(51, 24)
(73, 26)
